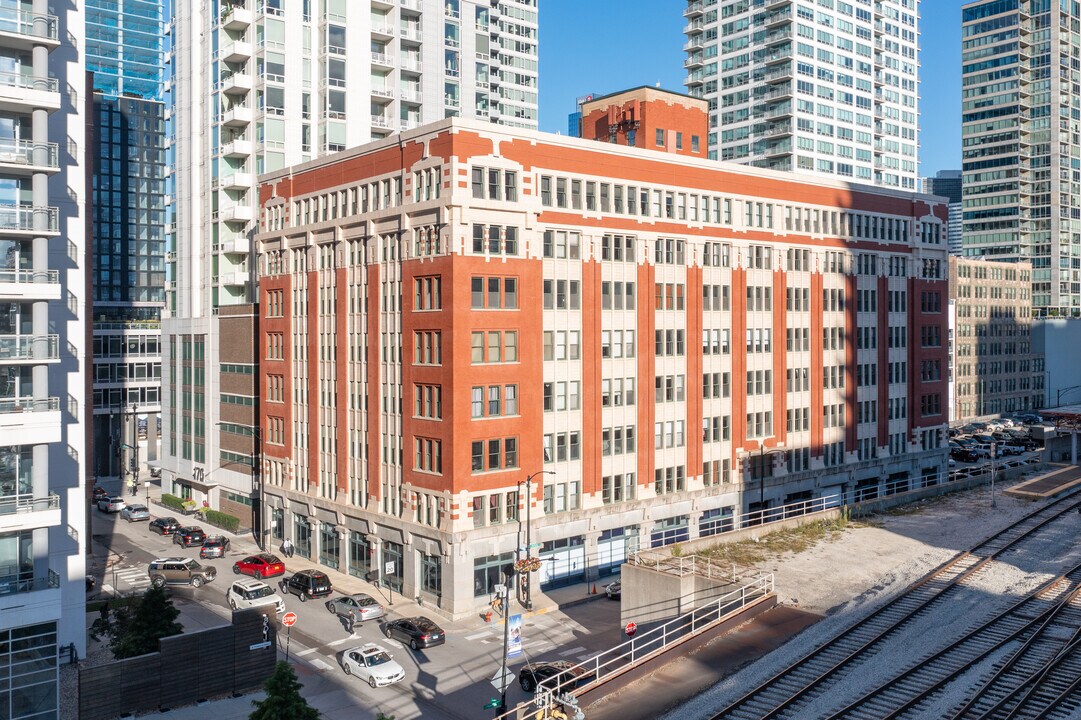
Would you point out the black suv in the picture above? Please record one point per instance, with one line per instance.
(164, 526)
(189, 536)
(307, 584)
(570, 675)
(418, 632)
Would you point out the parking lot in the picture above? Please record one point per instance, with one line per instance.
(975, 447)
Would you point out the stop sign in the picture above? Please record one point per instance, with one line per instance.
(289, 619)
(631, 629)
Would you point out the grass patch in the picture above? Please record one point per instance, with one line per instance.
(794, 540)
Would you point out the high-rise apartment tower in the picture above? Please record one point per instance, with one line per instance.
(1021, 134)
(44, 304)
(829, 88)
(269, 84)
(125, 52)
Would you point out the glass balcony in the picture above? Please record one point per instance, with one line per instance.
(27, 82)
(26, 503)
(15, 154)
(26, 404)
(24, 218)
(15, 580)
(29, 24)
(23, 348)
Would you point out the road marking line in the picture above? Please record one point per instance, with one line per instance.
(477, 636)
(336, 643)
(585, 656)
(302, 653)
(572, 651)
(320, 664)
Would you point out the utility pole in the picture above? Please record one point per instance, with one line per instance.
(508, 577)
(527, 600)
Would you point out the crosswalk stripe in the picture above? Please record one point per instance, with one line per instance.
(572, 651)
(336, 643)
(320, 664)
(478, 636)
(302, 653)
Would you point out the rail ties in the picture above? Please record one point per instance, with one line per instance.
(1038, 620)
(806, 679)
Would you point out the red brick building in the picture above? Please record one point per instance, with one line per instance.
(649, 118)
(451, 310)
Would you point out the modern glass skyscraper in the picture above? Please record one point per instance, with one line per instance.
(125, 51)
(44, 307)
(258, 86)
(1021, 137)
(822, 87)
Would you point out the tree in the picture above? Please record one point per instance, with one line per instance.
(283, 700)
(136, 628)
(152, 619)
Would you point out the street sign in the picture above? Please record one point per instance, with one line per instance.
(491, 704)
(388, 568)
(259, 645)
(631, 629)
(289, 619)
(994, 448)
(534, 545)
(502, 679)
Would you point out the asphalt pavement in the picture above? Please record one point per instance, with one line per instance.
(448, 681)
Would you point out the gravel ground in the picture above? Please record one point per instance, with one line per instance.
(873, 561)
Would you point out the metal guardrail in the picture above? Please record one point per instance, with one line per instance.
(643, 648)
(28, 23)
(26, 503)
(25, 217)
(22, 347)
(28, 152)
(28, 404)
(30, 277)
(29, 82)
(25, 582)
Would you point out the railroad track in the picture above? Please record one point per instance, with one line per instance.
(1034, 630)
(784, 694)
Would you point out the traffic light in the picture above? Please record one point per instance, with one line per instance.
(492, 704)
(131, 463)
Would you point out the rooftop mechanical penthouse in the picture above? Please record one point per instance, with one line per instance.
(676, 342)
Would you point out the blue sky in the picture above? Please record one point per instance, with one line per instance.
(601, 46)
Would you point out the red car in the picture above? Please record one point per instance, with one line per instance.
(260, 566)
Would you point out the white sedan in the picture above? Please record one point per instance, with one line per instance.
(373, 663)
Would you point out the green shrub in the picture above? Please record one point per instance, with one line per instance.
(225, 521)
(172, 501)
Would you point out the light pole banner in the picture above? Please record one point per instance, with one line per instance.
(514, 646)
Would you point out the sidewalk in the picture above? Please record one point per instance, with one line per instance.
(543, 602)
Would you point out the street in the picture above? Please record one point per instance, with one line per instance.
(447, 681)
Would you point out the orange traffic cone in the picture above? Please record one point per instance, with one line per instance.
(594, 589)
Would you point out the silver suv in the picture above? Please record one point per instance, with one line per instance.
(245, 593)
(179, 571)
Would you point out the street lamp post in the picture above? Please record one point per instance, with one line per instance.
(527, 601)
(134, 448)
(762, 477)
(1063, 391)
(255, 457)
(508, 578)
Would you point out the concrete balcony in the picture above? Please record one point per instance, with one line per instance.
(236, 246)
(29, 284)
(26, 421)
(22, 594)
(237, 181)
(238, 116)
(236, 52)
(237, 149)
(382, 60)
(24, 158)
(28, 220)
(380, 94)
(23, 30)
(236, 19)
(23, 93)
(237, 213)
(24, 349)
(237, 84)
(237, 277)
(379, 121)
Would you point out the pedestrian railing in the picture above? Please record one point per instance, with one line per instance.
(644, 647)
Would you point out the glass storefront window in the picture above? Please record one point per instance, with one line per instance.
(431, 574)
(302, 536)
(329, 546)
(360, 554)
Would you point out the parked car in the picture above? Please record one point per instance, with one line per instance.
(99, 493)
(568, 676)
(111, 504)
(307, 584)
(985, 438)
(373, 664)
(164, 526)
(214, 546)
(244, 594)
(261, 566)
(1006, 423)
(180, 571)
(977, 427)
(418, 632)
(965, 442)
(134, 513)
(356, 608)
(614, 590)
(964, 455)
(953, 432)
(189, 536)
